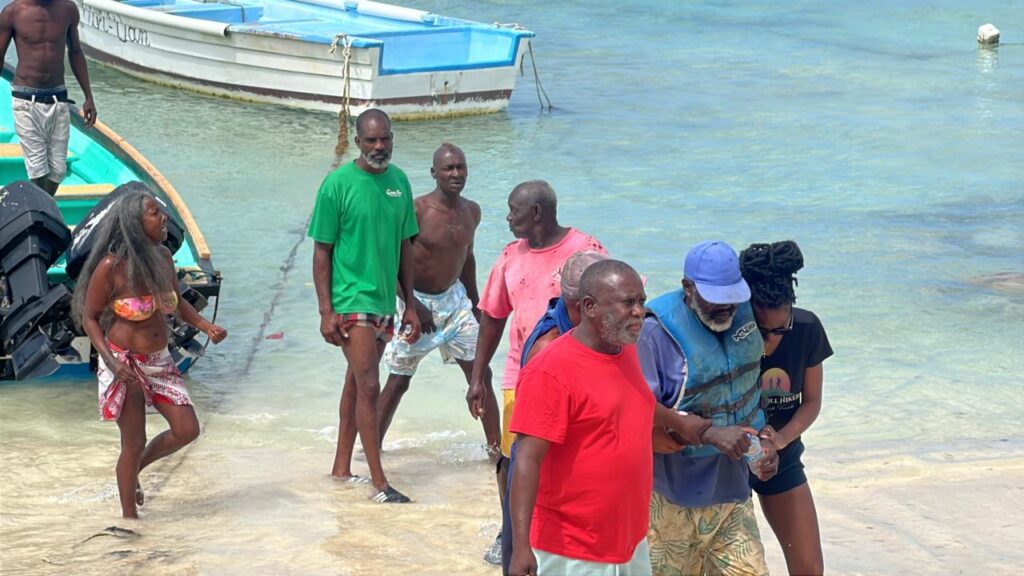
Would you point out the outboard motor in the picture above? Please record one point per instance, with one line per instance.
(82, 239)
(32, 238)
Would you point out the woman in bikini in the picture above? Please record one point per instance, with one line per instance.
(122, 298)
(795, 345)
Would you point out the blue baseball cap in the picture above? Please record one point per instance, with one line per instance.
(714, 268)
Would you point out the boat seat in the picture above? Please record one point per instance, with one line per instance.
(13, 150)
(75, 190)
(9, 150)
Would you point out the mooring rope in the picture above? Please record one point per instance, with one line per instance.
(536, 79)
(536, 74)
(343, 114)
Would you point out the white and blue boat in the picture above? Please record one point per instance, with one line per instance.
(314, 54)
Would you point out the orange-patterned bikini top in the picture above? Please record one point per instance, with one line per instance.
(141, 308)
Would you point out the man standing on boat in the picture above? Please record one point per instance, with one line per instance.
(446, 294)
(363, 224)
(42, 30)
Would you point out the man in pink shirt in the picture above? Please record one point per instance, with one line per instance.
(524, 278)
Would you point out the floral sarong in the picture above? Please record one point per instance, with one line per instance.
(161, 381)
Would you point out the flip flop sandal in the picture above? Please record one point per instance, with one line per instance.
(390, 496)
(493, 555)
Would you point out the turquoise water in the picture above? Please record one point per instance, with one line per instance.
(875, 134)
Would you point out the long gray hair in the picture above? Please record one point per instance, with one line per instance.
(121, 235)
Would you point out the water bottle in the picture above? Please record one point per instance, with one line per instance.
(755, 453)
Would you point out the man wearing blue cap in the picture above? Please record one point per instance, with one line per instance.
(700, 351)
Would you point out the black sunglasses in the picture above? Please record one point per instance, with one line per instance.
(777, 331)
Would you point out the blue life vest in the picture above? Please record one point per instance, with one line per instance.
(722, 369)
(556, 316)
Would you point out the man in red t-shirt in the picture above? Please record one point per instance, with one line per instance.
(582, 480)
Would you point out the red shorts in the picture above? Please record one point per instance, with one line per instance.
(383, 326)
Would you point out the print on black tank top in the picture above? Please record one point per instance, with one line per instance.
(782, 373)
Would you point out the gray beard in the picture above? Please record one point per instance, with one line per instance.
(376, 165)
(614, 334)
(717, 327)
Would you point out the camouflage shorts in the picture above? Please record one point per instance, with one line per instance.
(717, 539)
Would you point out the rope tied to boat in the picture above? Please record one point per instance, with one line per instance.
(343, 114)
(536, 81)
(533, 61)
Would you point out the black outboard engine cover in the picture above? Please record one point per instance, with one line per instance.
(82, 239)
(32, 237)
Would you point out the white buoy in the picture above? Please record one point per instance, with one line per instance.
(988, 34)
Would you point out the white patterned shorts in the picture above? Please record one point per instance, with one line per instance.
(455, 337)
(43, 130)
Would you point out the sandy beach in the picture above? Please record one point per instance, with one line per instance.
(225, 509)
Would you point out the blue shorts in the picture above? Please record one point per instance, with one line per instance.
(790, 474)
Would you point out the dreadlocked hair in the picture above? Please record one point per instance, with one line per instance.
(121, 235)
(770, 271)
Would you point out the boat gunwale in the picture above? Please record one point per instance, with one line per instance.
(198, 25)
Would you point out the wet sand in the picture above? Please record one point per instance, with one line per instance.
(230, 509)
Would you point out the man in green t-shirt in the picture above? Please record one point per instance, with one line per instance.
(363, 224)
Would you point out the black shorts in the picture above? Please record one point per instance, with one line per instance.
(790, 474)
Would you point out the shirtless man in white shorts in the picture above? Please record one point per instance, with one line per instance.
(446, 291)
(42, 30)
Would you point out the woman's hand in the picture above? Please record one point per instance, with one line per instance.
(123, 373)
(773, 437)
(216, 333)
